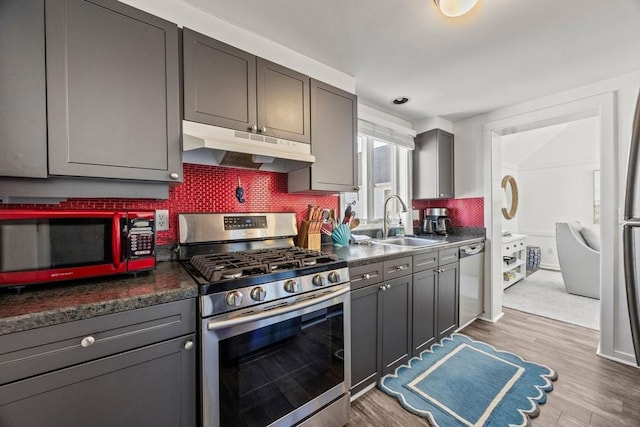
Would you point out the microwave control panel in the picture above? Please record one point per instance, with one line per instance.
(141, 237)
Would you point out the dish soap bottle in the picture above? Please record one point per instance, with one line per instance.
(400, 229)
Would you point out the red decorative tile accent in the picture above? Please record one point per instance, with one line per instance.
(210, 189)
(463, 212)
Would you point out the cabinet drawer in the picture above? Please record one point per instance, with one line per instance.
(447, 256)
(398, 267)
(425, 261)
(365, 275)
(511, 247)
(37, 351)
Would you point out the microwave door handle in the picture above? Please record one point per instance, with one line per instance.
(115, 241)
(222, 324)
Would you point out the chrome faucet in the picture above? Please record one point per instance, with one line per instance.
(385, 224)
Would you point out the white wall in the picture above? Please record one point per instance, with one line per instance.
(555, 183)
(186, 15)
(474, 179)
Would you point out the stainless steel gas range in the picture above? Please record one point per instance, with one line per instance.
(274, 322)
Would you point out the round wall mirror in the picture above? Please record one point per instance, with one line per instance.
(510, 189)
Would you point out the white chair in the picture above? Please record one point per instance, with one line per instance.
(579, 258)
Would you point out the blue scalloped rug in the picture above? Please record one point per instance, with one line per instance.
(462, 382)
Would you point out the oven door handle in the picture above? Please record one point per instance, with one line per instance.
(222, 324)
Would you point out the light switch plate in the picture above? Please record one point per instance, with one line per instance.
(415, 214)
(162, 219)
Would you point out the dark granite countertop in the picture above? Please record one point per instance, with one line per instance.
(40, 306)
(362, 254)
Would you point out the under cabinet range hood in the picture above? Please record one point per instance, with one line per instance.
(212, 145)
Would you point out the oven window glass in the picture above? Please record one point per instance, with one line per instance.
(42, 244)
(270, 372)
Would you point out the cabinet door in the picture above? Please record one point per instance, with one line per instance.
(395, 323)
(424, 310)
(334, 127)
(445, 164)
(23, 115)
(150, 386)
(112, 92)
(283, 102)
(433, 160)
(364, 337)
(219, 83)
(447, 294)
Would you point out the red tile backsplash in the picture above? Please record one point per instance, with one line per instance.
(210, 189)
(463, 212)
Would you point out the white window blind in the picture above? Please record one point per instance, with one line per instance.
(385, 134)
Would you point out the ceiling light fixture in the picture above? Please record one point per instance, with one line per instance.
(454, 8)
(400, 100)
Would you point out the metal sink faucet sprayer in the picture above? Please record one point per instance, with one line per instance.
(385, 225)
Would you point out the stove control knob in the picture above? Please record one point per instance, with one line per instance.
(334, 277)
(318, 280)
(258, 293)
(291, 286)
(234, 298)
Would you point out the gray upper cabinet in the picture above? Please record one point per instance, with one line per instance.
(112, 92)
(228, 87)
(334, 128)
(433, 165)
(283, 102)
(219, 83)
(23, 115)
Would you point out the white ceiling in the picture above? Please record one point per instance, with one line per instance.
(502, 53)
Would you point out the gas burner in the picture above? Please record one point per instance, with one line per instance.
(231, 275)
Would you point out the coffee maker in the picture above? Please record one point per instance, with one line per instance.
(436, 221)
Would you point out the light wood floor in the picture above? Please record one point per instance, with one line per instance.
(590, 391)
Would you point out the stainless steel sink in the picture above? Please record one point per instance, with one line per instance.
(414, 242)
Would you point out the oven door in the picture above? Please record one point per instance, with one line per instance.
(280, 365)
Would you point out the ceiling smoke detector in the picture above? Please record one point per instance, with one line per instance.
(400, 100)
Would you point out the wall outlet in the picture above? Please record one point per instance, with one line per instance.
(415, 214)
(162, 219)
(550, 251)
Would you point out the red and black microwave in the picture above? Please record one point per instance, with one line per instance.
(40, 246)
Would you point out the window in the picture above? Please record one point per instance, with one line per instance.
(384, 169)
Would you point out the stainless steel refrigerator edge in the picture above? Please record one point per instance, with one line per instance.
(631, 222)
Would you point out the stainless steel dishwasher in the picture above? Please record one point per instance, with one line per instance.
(471, 282)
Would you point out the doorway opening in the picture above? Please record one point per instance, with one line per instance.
(600, 108)
(553, 272)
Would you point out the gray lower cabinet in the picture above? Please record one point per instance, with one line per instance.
(435, 297)
(364, 337)
(228, 87)
(105, 105)
(447, 320)
(132, 368)
(334, 127)
(380, 320)
(424, 310)
(433, 160)
(395, 323)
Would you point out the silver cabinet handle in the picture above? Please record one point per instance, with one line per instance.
(174, 175)
(400, 267)
(253, 128)
(87, 341)
(366, 276)
(382, 288)
(263, 129)
(188, 345)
